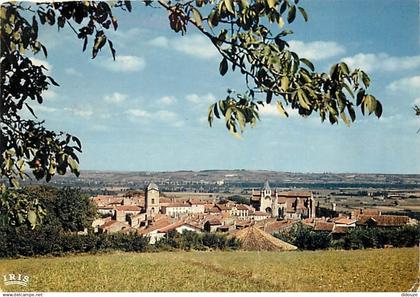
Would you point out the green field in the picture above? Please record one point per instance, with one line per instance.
(359, 270)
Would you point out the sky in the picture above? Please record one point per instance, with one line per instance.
(147, 111)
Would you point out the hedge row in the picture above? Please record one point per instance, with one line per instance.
(357, 238)
(23, 241)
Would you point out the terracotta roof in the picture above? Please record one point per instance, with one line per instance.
(176, 205)
(323, 226)
(383, 220)
(242, 207)
(370, 212)
(116, 202)
(261, 213)
(340, 230)
(301, 194)
(197, 202)
(105, 207)
(155, 226)
(242, 223)
(223, 207)
(345, 221)
(214, 222)
(214, 209)
(110, 223)
(128, 208)
(276, 226)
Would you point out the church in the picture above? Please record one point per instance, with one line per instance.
(293, 205)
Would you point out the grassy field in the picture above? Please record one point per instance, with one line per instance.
(359, 270)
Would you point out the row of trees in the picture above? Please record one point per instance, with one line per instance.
(306, 238)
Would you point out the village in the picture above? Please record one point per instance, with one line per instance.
(154, 216)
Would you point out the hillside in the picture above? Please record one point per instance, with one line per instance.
(359, 270)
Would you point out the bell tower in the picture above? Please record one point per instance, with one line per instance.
(152, 199)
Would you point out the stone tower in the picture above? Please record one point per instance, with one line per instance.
(152, 199)
(267, 204)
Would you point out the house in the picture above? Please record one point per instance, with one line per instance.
(175, 210)
(99, 222)
(105, 210)
(345, 222)
(368, 212)
(324, 226)
(107, 200)
(259, 215)
(212, 225)
(113, 226)
(138, 220)
(180, 227)
(384, 221)
(152, 229)
(122, 212)
(294, 205)
(242, 211)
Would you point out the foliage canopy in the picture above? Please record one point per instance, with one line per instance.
(250, 35)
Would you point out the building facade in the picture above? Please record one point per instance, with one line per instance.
(152, 204)
(293, 205)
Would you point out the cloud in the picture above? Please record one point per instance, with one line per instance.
(42, 108)
(115, 98)
(39, 62)
(124, 64)
(270, 110)
(164, 116)
(316, 50)
(138, 113)
(72, 72)
(84, 113)
(409, 85)
(194, 45)
(169, 117)
(160, 41)
(201, 99)
(416, 101)
(167, 100)
(49, 95)
(382, 62)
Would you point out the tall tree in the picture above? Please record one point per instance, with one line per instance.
(250, 35)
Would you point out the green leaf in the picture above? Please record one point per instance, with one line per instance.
(344, 68)
(280, 21)
(269, 97)
(378, 110)
(308, 63)
(284, 83)
(303, 12)
(271, 3)
(128, 5)
(230, 6)
(223, 67)
(111, 46)
(360, 96)
(244, 4)
(345, 119)
(303, 99)
(281, 109)
(197, 17)
(365, 79)
(32, 218)
(370, 103)
(352, 113)
(292, 14)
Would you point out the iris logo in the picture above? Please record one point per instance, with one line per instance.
(15, 279)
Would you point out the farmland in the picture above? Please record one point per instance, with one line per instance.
(333, 270)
